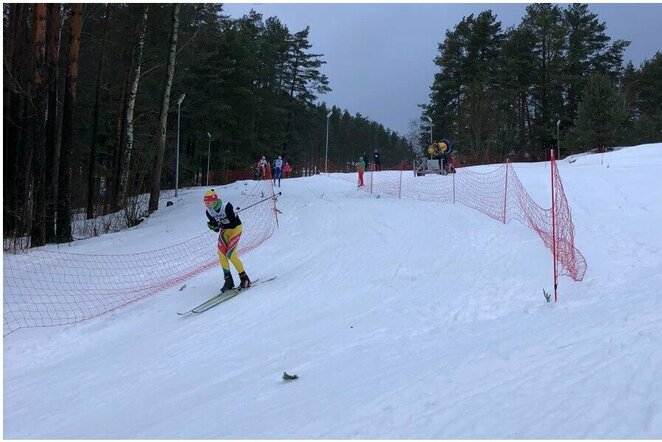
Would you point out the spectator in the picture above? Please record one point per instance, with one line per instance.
(287, 169)
(360, 167)
(378, 162)
(263, 167)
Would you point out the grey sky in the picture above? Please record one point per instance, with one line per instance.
(380, 55)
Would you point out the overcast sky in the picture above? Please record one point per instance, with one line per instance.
(380, 55)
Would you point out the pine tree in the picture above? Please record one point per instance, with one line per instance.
(545, 23)
(602, 114)
(92, 169)
(588, 52)
(465, 88)
(53, 36)
(63, 231)
(40, 103)
(516, 78)
(303, 79)
(644, 89)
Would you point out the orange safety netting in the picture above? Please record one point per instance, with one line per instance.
(51, 288)
(499, 194)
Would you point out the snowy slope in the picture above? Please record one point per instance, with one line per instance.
(403, 319)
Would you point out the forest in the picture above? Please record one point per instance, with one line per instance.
(556, 80)
(104, 103)
(99, 98)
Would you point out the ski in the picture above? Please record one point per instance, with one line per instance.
(222, 297)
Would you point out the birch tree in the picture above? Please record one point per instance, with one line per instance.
(127, 148)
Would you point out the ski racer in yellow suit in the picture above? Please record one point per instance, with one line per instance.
(222, 219)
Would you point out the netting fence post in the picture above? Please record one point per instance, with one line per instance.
(552, 164)
(505, 192)
(372, 176)
(273, 201)
(402, 166)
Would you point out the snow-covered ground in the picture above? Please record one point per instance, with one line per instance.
(402, 319)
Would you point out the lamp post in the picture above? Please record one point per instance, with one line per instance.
(558, 140)
(208, 155)
(326, 159)
(179, 105)
(431, 126)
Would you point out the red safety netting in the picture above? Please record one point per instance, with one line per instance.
(499, 194)
(49, 288)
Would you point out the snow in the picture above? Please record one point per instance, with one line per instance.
(402, 319)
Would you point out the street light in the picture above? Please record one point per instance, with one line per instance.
(179, 104)
(558, 140)
(431, 126)
(208, 156)
(326, 159)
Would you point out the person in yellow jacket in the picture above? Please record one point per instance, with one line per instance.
(222, 219)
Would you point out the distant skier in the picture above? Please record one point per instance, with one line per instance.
(222, 219)
(360, 167)
(377, 160)
(263, 164)
(278, 166)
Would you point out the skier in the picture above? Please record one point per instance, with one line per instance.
(222, 219)
(263, 167)
(278, 166)
(360, 167)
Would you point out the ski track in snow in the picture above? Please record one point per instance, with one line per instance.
(403, 319)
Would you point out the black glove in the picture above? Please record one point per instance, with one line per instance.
(213, 226)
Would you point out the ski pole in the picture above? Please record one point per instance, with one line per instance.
(254, 204)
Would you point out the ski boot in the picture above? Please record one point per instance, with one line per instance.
(244, 282)
(229, 283)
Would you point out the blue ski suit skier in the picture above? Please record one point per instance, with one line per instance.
(222, 219)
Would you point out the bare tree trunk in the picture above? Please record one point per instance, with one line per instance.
(127, 149)
(53, 34)
(11, 106)
(20, 123)
(520, 122)
(63, 228)
(92, 175)
(114, 178)
(528, 118)
(163, 120)
(39, 104)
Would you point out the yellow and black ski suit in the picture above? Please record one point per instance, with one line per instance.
(229, 235)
